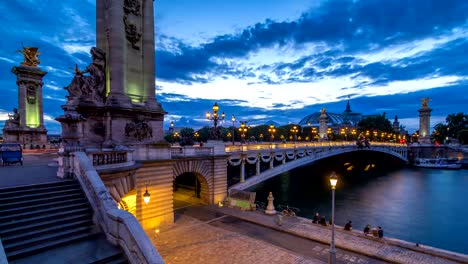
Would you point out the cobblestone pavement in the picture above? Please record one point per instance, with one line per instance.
(192, 241)
(384, 249)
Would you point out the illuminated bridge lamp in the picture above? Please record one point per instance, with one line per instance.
(332, 256)
(146, 196)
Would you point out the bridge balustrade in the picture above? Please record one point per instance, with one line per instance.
(188, 151)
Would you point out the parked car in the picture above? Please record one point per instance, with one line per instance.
(11, 153)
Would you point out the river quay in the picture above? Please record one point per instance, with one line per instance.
(386, 249)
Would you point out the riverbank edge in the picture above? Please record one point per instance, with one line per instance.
(270, 222)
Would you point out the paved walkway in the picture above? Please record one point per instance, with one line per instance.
(387, 249)
(37, 168)
(190, 241)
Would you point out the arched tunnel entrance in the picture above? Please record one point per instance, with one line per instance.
(190, 188)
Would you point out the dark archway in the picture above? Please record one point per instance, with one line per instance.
(190, 188)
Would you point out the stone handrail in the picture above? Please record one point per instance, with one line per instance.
(191, 151)
(121, 227)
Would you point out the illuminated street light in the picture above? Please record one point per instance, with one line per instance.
(243, 129)
(215, 135)
(233, 119)
(333, 182)
(272, 131)
(294, 130)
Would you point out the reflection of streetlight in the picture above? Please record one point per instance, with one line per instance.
(215, 118)
(233, 119)
(333, 182)
(294, 130)
(272, 131)
(243, 129)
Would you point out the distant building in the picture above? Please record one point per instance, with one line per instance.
(335, 120)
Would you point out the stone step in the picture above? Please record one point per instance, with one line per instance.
(31, 202)
(17, 210)
(118, 258)
(14, 192)
(17, 236)
(42, 211)
(47, 245)
(41, 218)
(37, 186)
(33, 196)
(37, 240)
(16, 229)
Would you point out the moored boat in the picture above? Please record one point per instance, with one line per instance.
(438, 163)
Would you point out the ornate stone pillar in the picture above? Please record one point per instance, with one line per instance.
(272, 161)
(323, 122)
(257, 167)
(424, 122)
(242, 170)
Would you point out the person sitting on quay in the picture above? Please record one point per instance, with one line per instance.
(348, 226)
(380, 232)
(323, 221)
(316, 218)
(367, 229)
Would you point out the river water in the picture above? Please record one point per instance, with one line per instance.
(423, 206)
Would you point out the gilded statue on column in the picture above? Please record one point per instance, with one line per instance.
(424, 102)
(30, 56)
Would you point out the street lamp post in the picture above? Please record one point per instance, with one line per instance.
(215, 118)
(333, 182)
(233, 119)
(272, 131)
(294, 130)
(171, 131)
(243, 129)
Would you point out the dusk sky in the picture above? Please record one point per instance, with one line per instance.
(262, 60)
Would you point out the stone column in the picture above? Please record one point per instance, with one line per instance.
(257, 167)
(148, 54)
(270, 207)
(242, 171)
(424, 125)
(272, 161)
(323, 121)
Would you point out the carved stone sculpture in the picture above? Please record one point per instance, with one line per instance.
(424, 102)
(92, 87)
(132, 33)
(138, 130)
(14, 119)
(30, 56)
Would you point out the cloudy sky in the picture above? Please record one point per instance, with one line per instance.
(264, 60)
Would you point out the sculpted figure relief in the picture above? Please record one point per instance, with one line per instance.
(30, 56)
(92, 87)
(424, 102)
(14, 119)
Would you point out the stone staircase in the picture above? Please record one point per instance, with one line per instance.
(52, 223)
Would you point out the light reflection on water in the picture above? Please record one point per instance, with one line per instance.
(417, 205)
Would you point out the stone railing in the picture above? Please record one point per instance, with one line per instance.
(121, 227)
(191, 151)
(106, 159)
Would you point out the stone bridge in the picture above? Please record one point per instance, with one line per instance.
(128, 174)
(295, 155)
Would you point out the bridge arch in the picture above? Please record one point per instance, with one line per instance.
(201, 172)
(302, 158)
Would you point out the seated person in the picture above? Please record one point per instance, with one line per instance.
(367, 229)
(348, 226)
(380, 232)
(316, 218)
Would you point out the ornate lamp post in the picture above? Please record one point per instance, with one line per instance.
(294, 130)
(196, 135)
(171, 130)
(333, 182)
(243, 129)
(272, 131)
(215, 118)
(233, 119)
